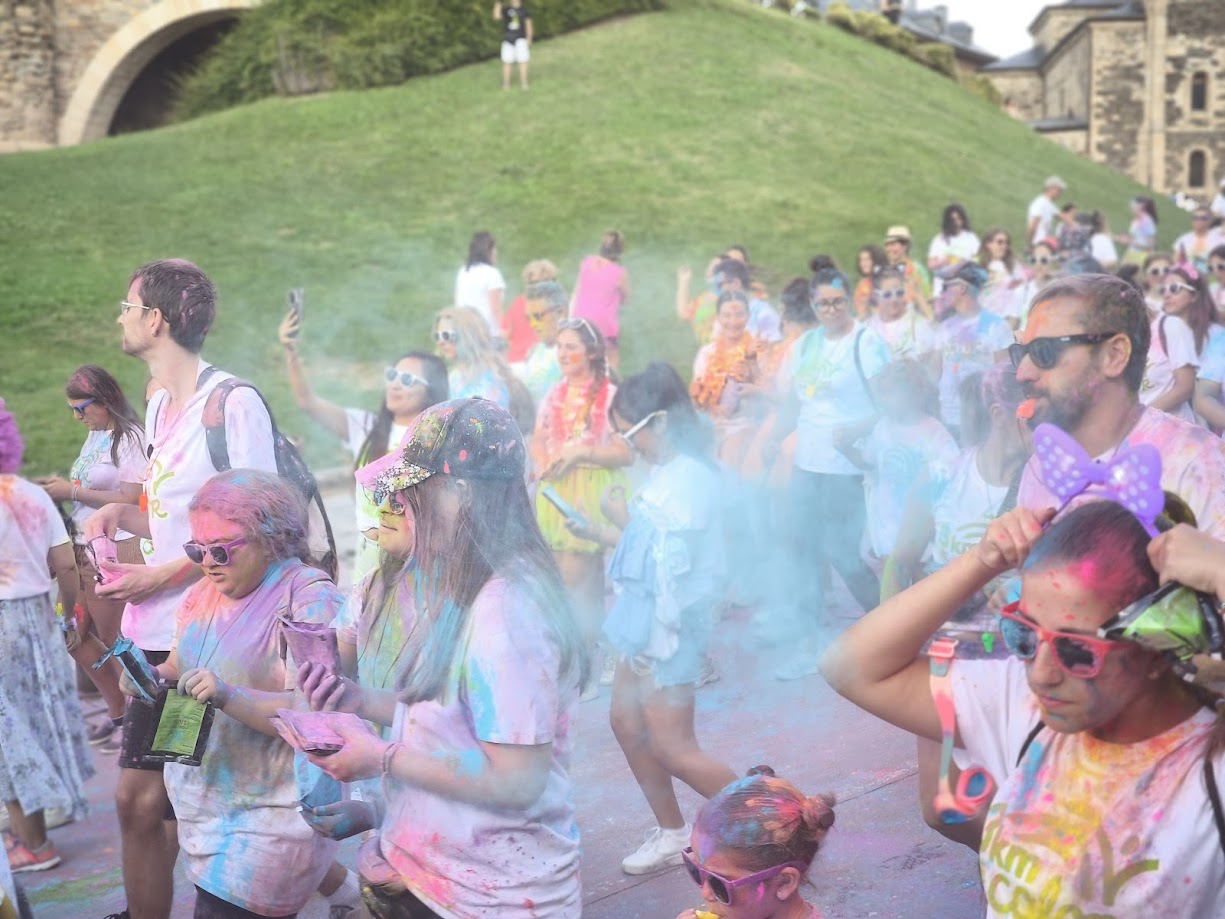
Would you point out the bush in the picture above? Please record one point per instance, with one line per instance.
(840, 15)
(939, 58)
(878, 29)
(298, 46)
(981, 85)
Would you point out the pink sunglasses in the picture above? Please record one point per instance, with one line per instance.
(722, 887)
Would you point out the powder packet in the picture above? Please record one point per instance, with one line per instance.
(183, 728)
(309, 641)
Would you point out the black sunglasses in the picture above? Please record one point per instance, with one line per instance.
(446, 335)
(1045, 352)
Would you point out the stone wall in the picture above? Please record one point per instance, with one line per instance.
(1076, 140)
(1117, 117)
(1068, 76)
(1021, 91)
(27, 74)
(1195, 43)
(82, 28)
(1056, 23)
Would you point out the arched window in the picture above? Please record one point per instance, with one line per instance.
(1199, 92)
(1197, 169)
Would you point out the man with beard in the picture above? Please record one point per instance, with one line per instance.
(1081, 360)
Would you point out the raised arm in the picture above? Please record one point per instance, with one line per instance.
(324, 413)
(878, 663)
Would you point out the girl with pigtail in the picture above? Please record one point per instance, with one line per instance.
(577, 456)
(1108, 761)
(752, 846)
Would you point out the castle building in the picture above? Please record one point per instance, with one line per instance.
(1137, 85)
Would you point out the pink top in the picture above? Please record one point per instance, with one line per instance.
(599, 295)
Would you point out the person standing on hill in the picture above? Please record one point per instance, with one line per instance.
(1042, 211)
(516, 39)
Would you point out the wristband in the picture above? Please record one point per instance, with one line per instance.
(389, 753)
(76, 486)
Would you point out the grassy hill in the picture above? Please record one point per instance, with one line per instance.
(709, 123)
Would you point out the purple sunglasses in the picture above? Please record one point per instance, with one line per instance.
(722, 887)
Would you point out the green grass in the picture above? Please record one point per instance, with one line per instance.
(710, 123)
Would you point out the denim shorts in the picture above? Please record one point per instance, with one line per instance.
(684, 667)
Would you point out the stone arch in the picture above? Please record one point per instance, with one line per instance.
(126, 53)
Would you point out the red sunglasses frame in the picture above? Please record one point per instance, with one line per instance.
(1098, 647)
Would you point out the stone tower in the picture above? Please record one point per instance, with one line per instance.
(27, 73)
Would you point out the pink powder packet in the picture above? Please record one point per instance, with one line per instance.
(308, 641)
(314, 732)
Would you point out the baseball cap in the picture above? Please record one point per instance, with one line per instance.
(898, 231)
(467, 438)
(1054, 182)
(967, 272)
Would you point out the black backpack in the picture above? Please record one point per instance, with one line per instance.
(289, 465)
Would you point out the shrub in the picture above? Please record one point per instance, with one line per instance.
(880, 30)
(939, 58)
(840, 15)
(981, 85)
(296, 46)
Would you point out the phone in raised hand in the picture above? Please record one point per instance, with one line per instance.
(297, 305)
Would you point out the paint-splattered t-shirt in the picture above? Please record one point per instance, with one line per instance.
(1192, 467)
(1084, 828)
(29, 527)
(968, 345)
(506, 687)
(95, 469)
(240, 835)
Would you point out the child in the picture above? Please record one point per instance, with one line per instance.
(907, 443)
(764, 831)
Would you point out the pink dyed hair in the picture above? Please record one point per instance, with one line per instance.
(270, 512)
(12, 447)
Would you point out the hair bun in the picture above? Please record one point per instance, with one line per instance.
(822, 263)
(818, 812)
(761, 770)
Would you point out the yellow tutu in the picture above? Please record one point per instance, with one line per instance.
(581, 487)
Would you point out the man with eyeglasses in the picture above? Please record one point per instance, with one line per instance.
(169, 309)
(1081, 360)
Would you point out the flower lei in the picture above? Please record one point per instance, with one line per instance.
(585, 421)
(707, 389)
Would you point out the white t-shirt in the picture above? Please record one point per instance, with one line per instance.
(1045, 210)
(30, 527)
(961, 248)
(910, 335)
(1192, 467)
(825, 380)
(1003, 295)
(240, 833)
(1102, 248)
(360, 422)
(1178, 352)
(1087, 828)
(178, 465)
(1195, 249)
(472, 288)
(94, 469)
(968, 345)
(464, 860)
(963, 506)
(899, 454)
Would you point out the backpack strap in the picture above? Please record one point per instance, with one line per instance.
(1214, 797)
(1029, 741)
(863, 378)
(214, 419)
(1010, 502)
(1161, 335)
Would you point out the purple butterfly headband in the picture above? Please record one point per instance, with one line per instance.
(1132, 477)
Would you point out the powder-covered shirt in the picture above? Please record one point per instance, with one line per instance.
(968, 345)
(539, 371)
(1082, 827)
(900, 452)
(366, 557)
(963, 506)
(831, 392)
(484, 384)
(95, 469)
(908, 336)
(30, 527)
(505, 687)
(1176, 352)
(1192, 467)
(240, 835)
(178, 464)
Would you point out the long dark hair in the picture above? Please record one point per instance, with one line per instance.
(89, 381)
(496, 534)
(480, 249)
(947, 228)
(984, 255)
(377, 442)
(660, 389)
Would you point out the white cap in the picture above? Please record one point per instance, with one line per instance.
(1055, 182)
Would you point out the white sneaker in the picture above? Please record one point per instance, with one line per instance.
(661, 850)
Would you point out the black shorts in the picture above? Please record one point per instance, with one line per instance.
(211, 907)
(139, 726)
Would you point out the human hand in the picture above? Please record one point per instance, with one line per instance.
(326, 691)
(570, 455)
(361, 757)
(289, 330)
(102, 522)
(684, 275)
(1009, 538)
(1190, 557)
(205, 686)
(129, 583)
(128, 687)
(57, 489)
(72, 640)
(340, 820)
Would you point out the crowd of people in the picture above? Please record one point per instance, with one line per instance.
(534, 524)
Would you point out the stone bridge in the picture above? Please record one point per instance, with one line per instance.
(73, 71)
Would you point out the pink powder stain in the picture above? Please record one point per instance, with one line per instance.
(463, 456)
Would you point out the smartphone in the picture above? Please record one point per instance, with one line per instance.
(551, 495)
(297, 303)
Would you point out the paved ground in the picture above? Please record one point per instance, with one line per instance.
(880, 861)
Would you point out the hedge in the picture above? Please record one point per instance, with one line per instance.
(300, 46)
(876, 28)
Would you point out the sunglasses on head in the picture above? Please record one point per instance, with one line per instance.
(722, 887)
(1167, 290)
(1081, 656)
(1157, 272)
(219, 552)
(405, 378)
(576, 325)
(79, 408)
(896, 294)
(1045, 352)
(445, 335)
